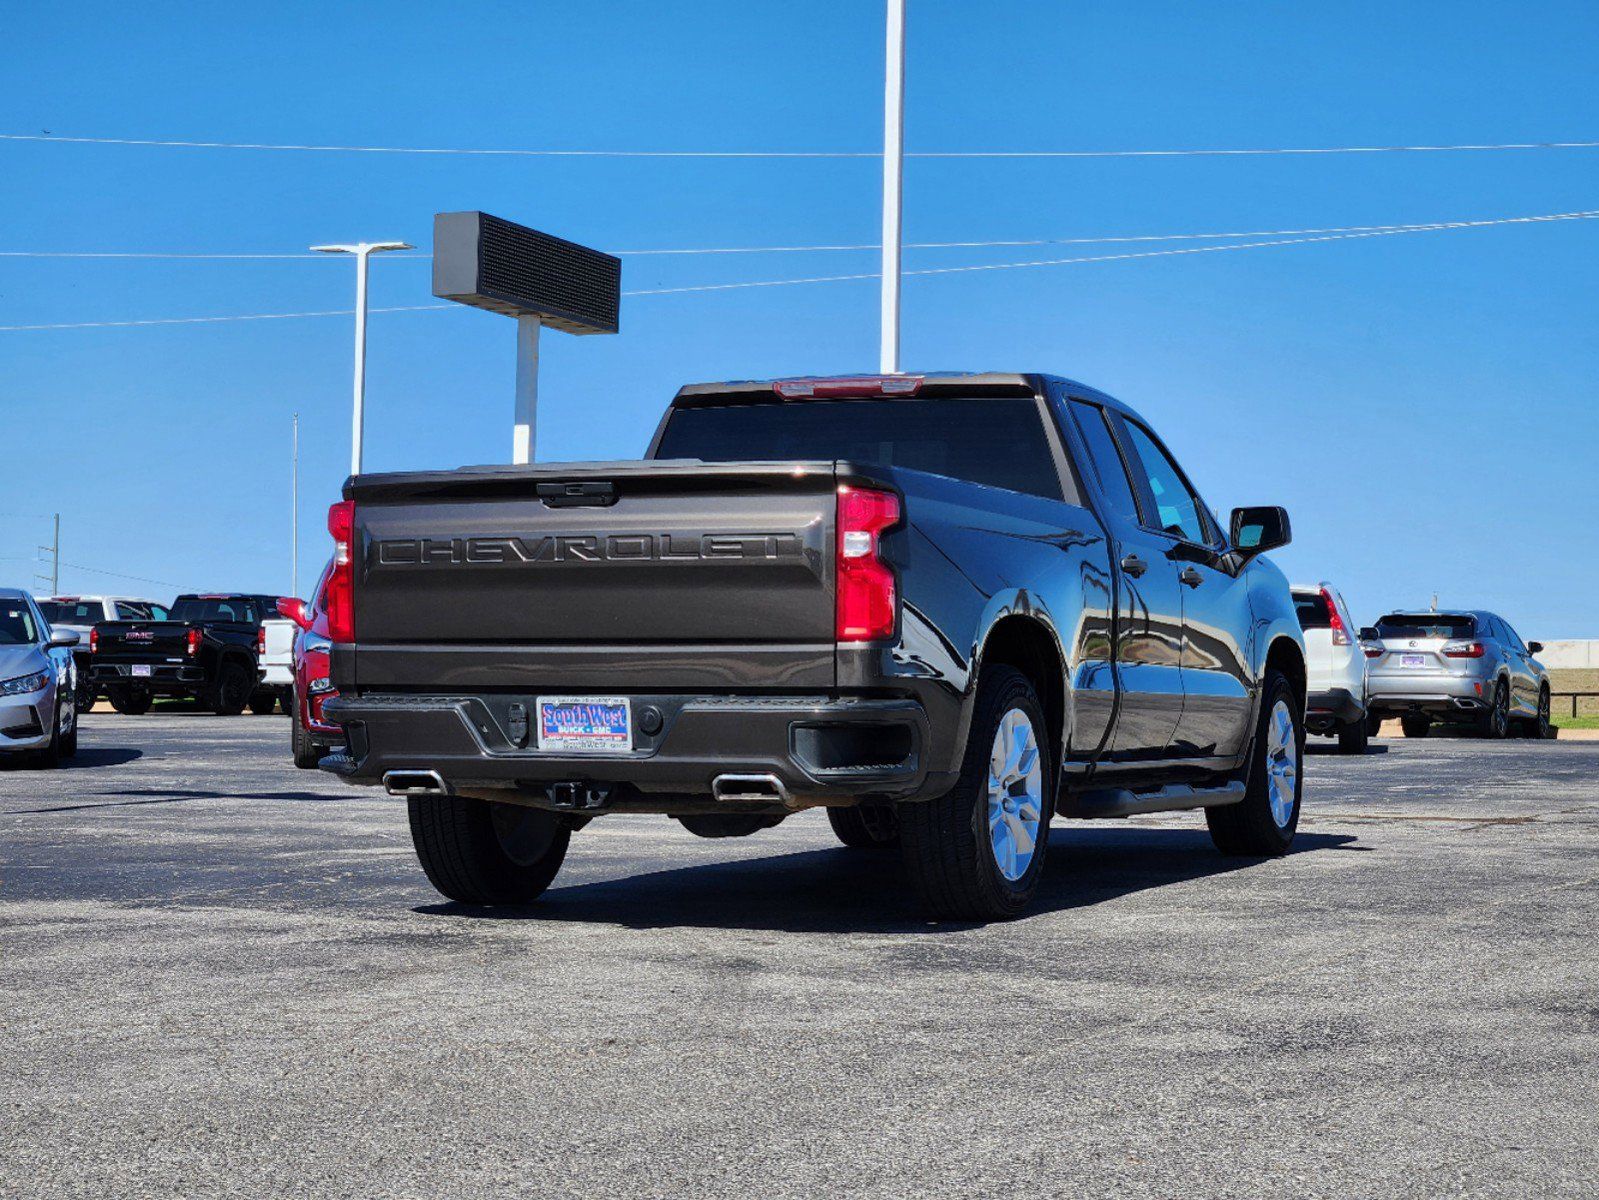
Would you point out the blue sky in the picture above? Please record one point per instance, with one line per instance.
(1424, 404)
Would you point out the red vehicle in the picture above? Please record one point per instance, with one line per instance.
(310, 736)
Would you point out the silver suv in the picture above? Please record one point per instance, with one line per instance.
(1456, 668)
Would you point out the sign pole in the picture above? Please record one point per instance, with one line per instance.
(893, 176)
(524, 433)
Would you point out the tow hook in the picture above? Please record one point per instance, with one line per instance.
(578, 797)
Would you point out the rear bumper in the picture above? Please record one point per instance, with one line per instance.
(165, 679)
(1329, 707)
(1438, 695)
(818, 748)
(276, 675)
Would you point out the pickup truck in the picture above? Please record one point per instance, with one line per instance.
(79, 614)
(944, 607)
(205, 650)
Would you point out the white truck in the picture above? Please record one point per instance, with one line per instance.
(274, 652)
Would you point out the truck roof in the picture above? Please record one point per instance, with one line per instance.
(926, 384)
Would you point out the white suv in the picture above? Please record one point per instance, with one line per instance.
(1335, 661)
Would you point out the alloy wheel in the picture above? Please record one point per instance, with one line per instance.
(1015, 795)
(1282, 763)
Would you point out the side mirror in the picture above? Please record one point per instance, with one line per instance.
(294, 609)
(1260, 528)
(1368, 633)
(1535, 647)
(64, 637)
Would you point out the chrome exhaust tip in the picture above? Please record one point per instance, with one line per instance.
(415, 783)
(763, 789)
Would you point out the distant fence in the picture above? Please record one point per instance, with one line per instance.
(1557, 700)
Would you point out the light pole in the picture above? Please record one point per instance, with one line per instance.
(893, 173)
(361, 250)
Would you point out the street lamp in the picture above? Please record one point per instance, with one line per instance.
(361, 250)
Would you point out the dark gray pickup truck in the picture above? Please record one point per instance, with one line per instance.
(946, 607)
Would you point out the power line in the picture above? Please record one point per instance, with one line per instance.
(1353, 233)
(790, 154)
(861, 246)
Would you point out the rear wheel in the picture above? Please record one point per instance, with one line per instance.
(1373, 724)
(976, 853)
(306, 752)
(1495, 723)
(130, 702)
(477, 852)
(1354, 737)
(866, 826)
(1264, 821)
(1415, 725)
(262, 703)
(232, 690)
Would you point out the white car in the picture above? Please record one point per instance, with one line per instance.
(80, 614)
(1335, 661)
(274, 654)
(38, 681)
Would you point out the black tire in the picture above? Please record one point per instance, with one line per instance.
(727, 825)
(85, 694)
(1373, 724)
(475, 852)
(262, 703)
(1415, 725)
(50, 756)
(232, 690)
(130, 702)
(1540, 726)
(946, 844)
(307, 754)
(69, 740)
(1495, 723)
(1250, 826)
(1354, 737)
(866, 826)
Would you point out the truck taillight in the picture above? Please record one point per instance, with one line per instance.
(1340, 635)
(260, 640)
(1464, 649)
(866, 589)
(192, 642)
(339, 595)
(94, 641)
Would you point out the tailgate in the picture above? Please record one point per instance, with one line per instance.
(589, 577)
(142, 640)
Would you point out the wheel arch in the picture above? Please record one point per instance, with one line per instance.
(1285, 654)
(1031, 647)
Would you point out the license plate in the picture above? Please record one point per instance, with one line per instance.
(140, 670)
(589, 724)
(1413, 660)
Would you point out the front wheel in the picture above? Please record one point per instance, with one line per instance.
(85, 695)
(1540, 726)
(1264, 821)
(262, 703)
(130, 702)
(865, 826)
(478, 852)
(306, 752)
(1354, 737)
(232, 690)
(976, 853)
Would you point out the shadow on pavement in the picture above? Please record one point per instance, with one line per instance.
(158, 796)
(1319, 748)
(839, 890)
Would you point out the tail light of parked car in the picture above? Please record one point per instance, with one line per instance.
(1464, 649)
(339, 598)
(866, 585)
(192, 642)
(94, 641)
(260, 640)
(1340, 635)
(1372, 651)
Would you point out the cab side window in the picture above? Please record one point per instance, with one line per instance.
(1106, 459)
(1176, 509)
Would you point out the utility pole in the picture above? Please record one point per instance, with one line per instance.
(893, 179)
(294, 509)
(54, 551)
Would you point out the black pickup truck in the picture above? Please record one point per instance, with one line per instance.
(945, 607)
(205, 650)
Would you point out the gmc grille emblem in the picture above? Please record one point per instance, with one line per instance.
(560, 548)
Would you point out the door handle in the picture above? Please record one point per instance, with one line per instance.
(1191, 577)
(1134, 566)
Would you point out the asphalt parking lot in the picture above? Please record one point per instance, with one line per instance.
(220, 976)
